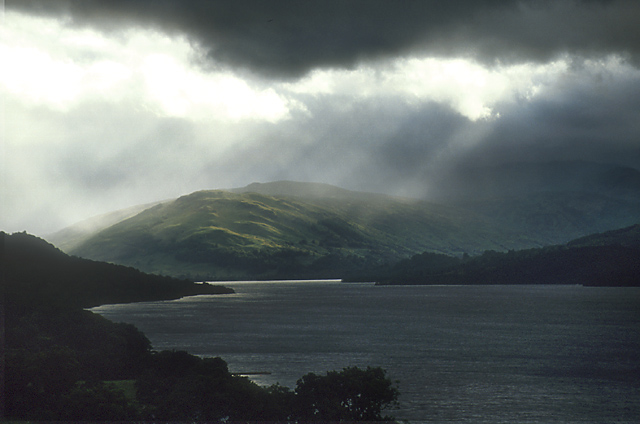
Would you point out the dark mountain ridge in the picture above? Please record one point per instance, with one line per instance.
(555, 202)
(525, 178)
(607, 259)
(35, 272)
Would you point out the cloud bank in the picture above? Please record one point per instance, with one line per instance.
(288, 38)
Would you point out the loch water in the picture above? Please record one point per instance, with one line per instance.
(498, 354)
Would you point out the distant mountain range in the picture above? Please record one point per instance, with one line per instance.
(552, 202)
(525, 178)
(606, 259)
(290, 229)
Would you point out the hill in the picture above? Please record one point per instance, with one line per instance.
(627, 237)
(606, 259)
(290, 229)
(70, 237)
(35, 273)
(303, 190)
(57, 354)
(314, 231)
(523, 178)
(553, 202)
(63, 363)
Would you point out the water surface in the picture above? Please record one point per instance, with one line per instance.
(461, 353)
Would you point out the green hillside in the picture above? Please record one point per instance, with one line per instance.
(72, 236)
(315, 231)
(291, 229)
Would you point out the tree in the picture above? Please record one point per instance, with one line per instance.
(352, 394)
(179, 386)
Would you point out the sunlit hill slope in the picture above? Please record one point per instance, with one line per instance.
(314, 231)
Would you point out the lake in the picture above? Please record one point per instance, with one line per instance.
(537, 354)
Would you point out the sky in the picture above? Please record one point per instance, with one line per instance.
(106, 104)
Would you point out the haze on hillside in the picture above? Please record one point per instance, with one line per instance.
(107, 105)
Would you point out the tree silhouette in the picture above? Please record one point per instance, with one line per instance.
(352, 394)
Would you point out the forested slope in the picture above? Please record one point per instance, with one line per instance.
(36, 271)
(607, 259)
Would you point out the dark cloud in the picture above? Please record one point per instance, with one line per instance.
(398, 148)
(385, 146)
(599, 123)
(287, 38)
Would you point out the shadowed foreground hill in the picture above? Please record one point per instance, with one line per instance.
(57, 354)
(63, 363)
(608, 259)
(37, 271)
(316, 231)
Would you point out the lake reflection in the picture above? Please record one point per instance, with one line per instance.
(461, 353)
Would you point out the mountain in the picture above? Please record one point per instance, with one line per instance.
(70, 237)
(556, 217)
(290, 229)
(523, 178)
(315, 191)
(37, 273)
(605, 259)
(554, 202)
(314, 231)
(299, 189)
(627, 237)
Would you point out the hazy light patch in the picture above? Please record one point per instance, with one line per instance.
(101, 78)
(36, 77)
(466, 87)
(48, 64)
(469, 88)
(183, 92)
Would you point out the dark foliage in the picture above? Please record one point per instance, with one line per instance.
(608, 259)
(35, 272)
(179, 386)
(57, 358)
(64, 363)
(352, 395)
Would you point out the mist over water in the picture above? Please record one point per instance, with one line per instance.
(460, 353)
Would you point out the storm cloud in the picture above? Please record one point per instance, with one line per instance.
(288, 38)
(109, 104)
